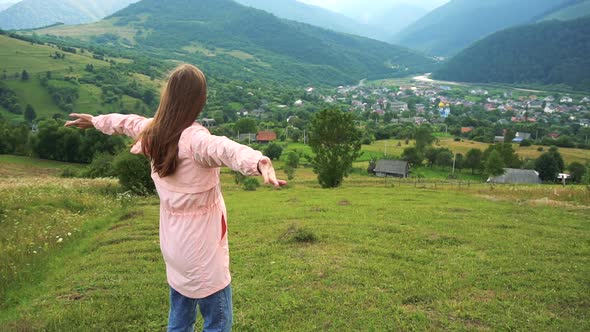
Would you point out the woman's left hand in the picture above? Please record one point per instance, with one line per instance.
(268, 173)
(83, 121)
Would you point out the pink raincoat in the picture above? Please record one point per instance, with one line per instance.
(193, 218)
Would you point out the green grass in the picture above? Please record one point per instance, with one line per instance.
(33, 93)
(18, 166)
(16, 55)
(371, 256)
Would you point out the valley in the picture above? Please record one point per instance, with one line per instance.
(463, 156)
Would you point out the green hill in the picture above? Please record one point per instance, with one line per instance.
(58, 82)
(239, 42)
(552, 52)
(457, 24)
(38, 13)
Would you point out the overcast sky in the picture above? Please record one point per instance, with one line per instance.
(350, 5)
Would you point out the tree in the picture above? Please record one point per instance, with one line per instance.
(413, 156)
(444, 158)
(134, 173)
(549, 164)
(24, 75)
(494, 164)
(30, 113)
(273, 151)
(473, 160)
(371, 168)
(459, 161)
(554, 151)
(424, 138)
(245, 126)
(431, 154)
(336, 143)
(149, 97)
(506, 151)
(577, 171)
(290, 172)
(292, 159)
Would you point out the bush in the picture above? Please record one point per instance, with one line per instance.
(526, 142)
(290, 172)
(540, 149)
(134, 173)
(100, 167)
(297, 234)
(457, 139)
(250, 184)
(238, 177)
(273, 151)
(292, 159)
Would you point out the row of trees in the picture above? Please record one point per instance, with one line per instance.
(55, 142)
(492, 161)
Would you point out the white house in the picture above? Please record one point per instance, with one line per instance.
(566, 99)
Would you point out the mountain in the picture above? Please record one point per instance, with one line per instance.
(457, 24)
(572, 10)
(240, 42)
(29, 14)
(398, 17)
(551, 52)
(314, 15)
(5, 5)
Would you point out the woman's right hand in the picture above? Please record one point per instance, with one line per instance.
(83, 121)
(268, 173)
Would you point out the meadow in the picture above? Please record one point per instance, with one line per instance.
(396, 148)
(373, 255)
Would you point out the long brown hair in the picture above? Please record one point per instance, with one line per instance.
(181, 102)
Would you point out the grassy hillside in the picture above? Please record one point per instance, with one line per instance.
(48, 73)
(29, 14)
(16, 55)
(238, 42)
(552, 52)
(415, 258)
(450, 28)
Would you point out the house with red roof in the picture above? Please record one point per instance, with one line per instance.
(266, 136)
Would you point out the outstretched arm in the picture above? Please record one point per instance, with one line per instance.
(130, 125)
(216, 151)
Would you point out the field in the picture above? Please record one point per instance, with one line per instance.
(84, 31)
(374, 255)
(16, 55)
(396, 148)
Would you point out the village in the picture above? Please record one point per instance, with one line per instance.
(387, 110)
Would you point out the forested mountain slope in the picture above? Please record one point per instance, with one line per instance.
(457, 24)
(238, 42)
(552, 52)
(318, 16)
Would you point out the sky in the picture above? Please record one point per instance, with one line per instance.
(338, 5)
(345, 6)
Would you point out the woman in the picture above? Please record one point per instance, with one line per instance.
(185, 162)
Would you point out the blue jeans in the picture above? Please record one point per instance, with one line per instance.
(216, 310)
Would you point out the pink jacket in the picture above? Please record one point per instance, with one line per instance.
(193, 218)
